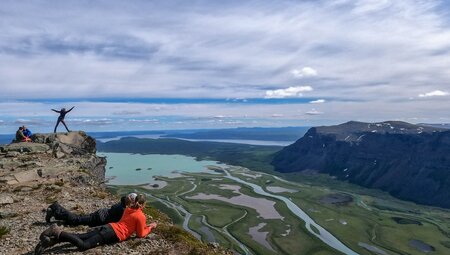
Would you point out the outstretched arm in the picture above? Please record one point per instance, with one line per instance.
(70, 109)
(56, 111)
(142, 230)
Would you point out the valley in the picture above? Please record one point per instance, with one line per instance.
(218, 204)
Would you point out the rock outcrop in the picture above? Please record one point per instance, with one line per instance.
(63, 167)
(409, 161)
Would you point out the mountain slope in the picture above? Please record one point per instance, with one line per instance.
(64, 167)
(409, 161)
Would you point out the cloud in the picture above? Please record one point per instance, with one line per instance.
(304, 72)
(225, 49)
(434, 93)
(143, 120)
(314, 112)
(288, 92)
(318, 101)
(277, 115)
(124, 112)
(91, 122)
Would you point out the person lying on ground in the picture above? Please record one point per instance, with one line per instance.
(133, 220)
(20, 137)
(97, 218)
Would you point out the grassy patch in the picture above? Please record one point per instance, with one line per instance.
(157, 215)
(180, 237)
(3, 231)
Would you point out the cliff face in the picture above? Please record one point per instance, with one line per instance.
(63, 167)
(410, 162)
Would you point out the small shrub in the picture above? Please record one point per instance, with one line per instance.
(59, 183)
(3, 231)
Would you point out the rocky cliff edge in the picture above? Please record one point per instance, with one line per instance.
(63, 167)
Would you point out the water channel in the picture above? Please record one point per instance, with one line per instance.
(123, 165)
(323, 235)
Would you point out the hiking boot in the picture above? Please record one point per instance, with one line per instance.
(39, 249)
(49, 213)
(44, 243)
(50, 233)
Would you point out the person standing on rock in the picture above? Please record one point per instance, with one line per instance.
(97, 218)
(62, 114)
(133, 220)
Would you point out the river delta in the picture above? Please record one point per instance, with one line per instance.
(258, 213)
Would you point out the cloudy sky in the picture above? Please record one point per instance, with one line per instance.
(143, 65)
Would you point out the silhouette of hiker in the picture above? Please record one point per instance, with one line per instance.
(62, 114)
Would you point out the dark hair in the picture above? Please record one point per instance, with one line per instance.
(139, 201)
(20, 128)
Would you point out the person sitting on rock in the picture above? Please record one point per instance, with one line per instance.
(26, 132)
(133, 220)
(97, 218)
(62, 115)
(20, 137)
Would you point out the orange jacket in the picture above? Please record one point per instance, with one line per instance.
(133, 220)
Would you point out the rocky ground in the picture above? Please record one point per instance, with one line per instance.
(64, 168)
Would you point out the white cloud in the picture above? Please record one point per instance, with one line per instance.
(318, 101)
(304, 72)
(314, 112)
(288, 92)
(434, 93)
(226, 49)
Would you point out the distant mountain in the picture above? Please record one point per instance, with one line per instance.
(438, 125)
(409, 161)
(253, 133)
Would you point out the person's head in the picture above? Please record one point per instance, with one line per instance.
(23, 127)
(63, 109)
(20, 128)
(130, 199)
(139, 201)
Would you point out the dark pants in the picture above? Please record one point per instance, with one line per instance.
(98, 236)
(69, 218)
(62, 121)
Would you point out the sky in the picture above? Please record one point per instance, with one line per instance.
(150, 65)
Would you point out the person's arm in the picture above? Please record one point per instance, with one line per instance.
(56, 111)
(22, 135)
(70, 109)
(142, 230)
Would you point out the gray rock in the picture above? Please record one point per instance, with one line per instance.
(5, 199)
(27, 176)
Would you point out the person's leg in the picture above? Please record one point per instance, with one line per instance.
(88, 220)
(82, 241)
(103, 235)
(57, 123)
(61, 213)
(64, 123)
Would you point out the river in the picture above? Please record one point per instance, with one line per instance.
(323, 235)
(123, 166)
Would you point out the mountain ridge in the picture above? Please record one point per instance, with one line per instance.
(411, 162)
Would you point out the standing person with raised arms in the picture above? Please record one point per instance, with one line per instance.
(62, 115)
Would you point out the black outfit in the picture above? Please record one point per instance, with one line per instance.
(62, 114)
(102, 235)
(97, 218)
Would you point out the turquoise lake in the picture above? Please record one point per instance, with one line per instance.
(134, 169)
